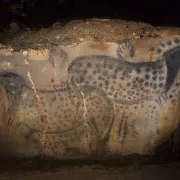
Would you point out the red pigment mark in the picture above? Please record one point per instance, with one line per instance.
(90, 132)
(119, 91)
(42, 119)
(141, 84)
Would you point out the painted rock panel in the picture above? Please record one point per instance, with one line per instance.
(92, 98)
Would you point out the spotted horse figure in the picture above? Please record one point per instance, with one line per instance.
(144, 94)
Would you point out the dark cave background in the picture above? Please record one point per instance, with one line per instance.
(43, 13)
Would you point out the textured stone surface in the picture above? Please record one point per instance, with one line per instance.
(118, 95)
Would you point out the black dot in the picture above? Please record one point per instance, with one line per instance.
(170, 96)
(122, 78)
(138, 71)
(160, 67)
(112, 88)
(161, 85)
(154, 78)
(137, 79)
(161, 78)
(147, 76)
(125, 73)
(176, 40)
(154, 67)
(105, 64)
(110, 66)
(106, 82)
(159, 50)
(88, 64)
(80, 64)
(160, 71)
(105, 73)
(100, 85)
(157, 132)
(147, 69)
(128, 84)
(177, 84)
(146, 84)
(114, 76)
(94, 82)
(141, 80)
(115, 95)
(85, 71)
(98, 66)
(94, 72)
(169, 43)
(154, 72)
(116, 70)
(154, 86)
(163, 45)
(109, 77)
(81, 79)
(152, 49)
(90, 77)
(109, 93)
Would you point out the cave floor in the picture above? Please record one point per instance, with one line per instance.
(145, 168)
(148, 172)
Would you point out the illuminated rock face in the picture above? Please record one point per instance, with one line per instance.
(90, 99)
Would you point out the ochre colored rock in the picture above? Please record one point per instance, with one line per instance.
(114, 95)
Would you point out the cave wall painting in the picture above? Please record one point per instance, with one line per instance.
(106, 105)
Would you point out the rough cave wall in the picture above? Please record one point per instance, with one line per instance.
(109, 91)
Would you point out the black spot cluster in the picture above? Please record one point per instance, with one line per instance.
(159, 50)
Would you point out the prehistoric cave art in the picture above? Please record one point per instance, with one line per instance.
(105, 102)
(128, 83)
